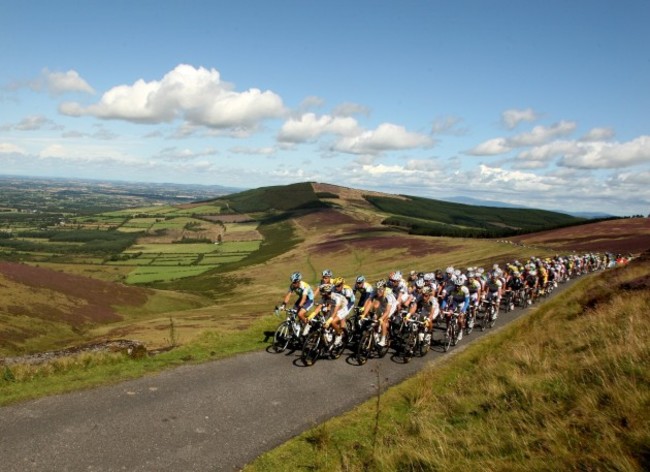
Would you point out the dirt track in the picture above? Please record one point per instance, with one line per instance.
(215, 416)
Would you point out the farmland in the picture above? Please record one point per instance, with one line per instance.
(199, 262)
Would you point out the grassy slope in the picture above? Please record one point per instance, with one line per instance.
(565, 388)
(470, 216)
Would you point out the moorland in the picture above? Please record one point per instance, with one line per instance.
(202, 277)
(565, 387)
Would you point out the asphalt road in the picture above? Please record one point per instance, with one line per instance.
(215, 416)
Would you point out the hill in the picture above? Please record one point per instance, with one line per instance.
(622, 235)
(261, 235)
(415, 214)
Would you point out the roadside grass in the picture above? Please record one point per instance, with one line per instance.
(22, 382)
(565, 388)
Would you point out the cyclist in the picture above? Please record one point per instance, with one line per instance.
(475, 288)
(425, 304)
(400, 289)
(326, 278)
(493, 288)
(365, 290)
(341, 287)
(383, 303)
(458, 300)
(336, 305)
(305, 299)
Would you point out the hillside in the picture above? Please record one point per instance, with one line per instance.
(200, 262)
(625, 235)
(417, 215)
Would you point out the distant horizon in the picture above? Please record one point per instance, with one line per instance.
(451, 199)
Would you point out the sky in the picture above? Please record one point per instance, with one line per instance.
(539, 104)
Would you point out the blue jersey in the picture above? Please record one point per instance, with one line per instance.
(303, 288)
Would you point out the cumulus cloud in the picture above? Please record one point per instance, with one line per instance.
(609, 155)
(495, 177)
(549, 151)
(511, 118)
(491, 147)
(309, 127)
(542, 134)
(351, 109)
(198, 96)
(387, 137)
(58, 83)
(539, 135)
(598, 134)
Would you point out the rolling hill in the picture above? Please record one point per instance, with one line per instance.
(304, 227)
(415, 214)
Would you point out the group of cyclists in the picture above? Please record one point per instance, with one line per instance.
(432, 296)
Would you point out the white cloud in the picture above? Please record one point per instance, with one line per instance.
(32, 123)
(511, 118)
(542, 134)
(604, 155)
(196, 95)
(351, 109)
(539, 135)
(61, 82)
(387, 137)
(259, 151)
(176, 154)
(514, 180)
(309, 127)
(491, 147)
(598, 134)
(9, 148)
(549, 151)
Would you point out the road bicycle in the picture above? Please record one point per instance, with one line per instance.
(320, 342)
(288, 333)
(452, 333)
(370, 335)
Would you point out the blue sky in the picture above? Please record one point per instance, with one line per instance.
(542, 104)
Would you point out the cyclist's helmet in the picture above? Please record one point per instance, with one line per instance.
(296, 277)
(426, 290)
(396, 276)
(460, 280)
(381, 284)
(361, 279)
(326, 289)
(327, 273)
(419, 283)
(338, 281)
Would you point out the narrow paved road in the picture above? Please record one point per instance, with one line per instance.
(211, 417)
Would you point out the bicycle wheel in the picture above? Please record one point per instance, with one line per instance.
(408, 346)
(450, 335)
(491, 319)
(311, 349)
(282, 337)
(423, 344)
(454, 331)
(383, 350)
(469, 324)
(337, 350)
(364, 348)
